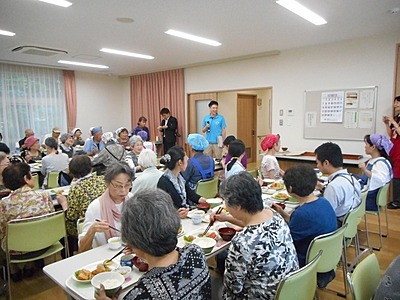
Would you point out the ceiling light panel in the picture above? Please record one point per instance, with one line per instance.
(302, 11)
(7, 33)
(192, 37)
(61, 3)
(67, 62)
(125, 53)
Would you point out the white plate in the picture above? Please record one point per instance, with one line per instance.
(268, 180)
(279, 199)
(192, 212)
(92, 267)
(206, 218)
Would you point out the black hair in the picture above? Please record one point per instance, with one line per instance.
(80, 166)
(14, 175)
(164, 111)
(242, 190)
(142, 119)
(51, 142)
(212, 102)
(236, 148)
(331, 152)
(396, 117)
(300, 180)
(174, 154)
(4, 148)
(229, 140)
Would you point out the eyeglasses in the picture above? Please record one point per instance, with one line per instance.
(120, 186)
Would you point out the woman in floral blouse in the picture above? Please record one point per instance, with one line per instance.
(263, 253)
(23, 202)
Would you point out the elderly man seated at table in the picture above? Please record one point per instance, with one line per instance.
(200, 166)
(111, 154)
(55, 133)
(23, 202)
(174, 273)
(85, 189)
(54, 161)
(28, 132)
(95, 143)
(106, 209)
(149, 178)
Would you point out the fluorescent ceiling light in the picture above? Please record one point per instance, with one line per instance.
(62, 3)
(7, 33)
(66, 62)
(302, 11)
(119, 52)
(193, 37)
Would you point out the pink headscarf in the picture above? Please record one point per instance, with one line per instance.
(269, 141)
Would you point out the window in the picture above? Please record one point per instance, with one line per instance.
(30, 97)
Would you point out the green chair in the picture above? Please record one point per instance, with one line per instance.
(364, 275)
(34, 234)
(253, 172)
(300, 284)
(207, 188)
(52, 179)
(36, 181)
(381, 202)
(331, 245)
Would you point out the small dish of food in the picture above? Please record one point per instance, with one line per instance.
(277, 186)
(280, 196)
(85, 274)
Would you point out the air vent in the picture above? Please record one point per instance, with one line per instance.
(36, 50)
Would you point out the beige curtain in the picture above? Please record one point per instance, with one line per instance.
(151, 92)
(70, 98)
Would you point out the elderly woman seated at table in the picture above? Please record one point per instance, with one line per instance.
(85, 189)
(122, 134)
(200, 166)
(94, 144)
(77, 135)
(173, 182)
(107, 208)
(67, 142)
(23, 202)
(32, 153)
(136, 147)
(314, 216)
(263, 253)
(4, 162)
(174, 273)
(54, 161)
(111, 154)
(149, 178)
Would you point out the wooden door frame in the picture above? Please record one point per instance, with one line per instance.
(254, 124)
(191, 116)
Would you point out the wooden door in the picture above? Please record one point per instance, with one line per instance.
(247, 123)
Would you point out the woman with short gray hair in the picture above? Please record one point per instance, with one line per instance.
(150, 225)
(136, 147)
(149, 178)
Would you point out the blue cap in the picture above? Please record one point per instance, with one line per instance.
(197, 141)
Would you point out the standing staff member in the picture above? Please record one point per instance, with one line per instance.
(393, 131)
(169, 126)
(215, 128)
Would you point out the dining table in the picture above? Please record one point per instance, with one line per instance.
(62, 271)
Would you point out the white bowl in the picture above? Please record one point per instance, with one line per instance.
(205, 243)
(112, 281)
(214, 202)
(114, 243)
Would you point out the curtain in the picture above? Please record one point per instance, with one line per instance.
(70, 98)
(30, 97)
(151, 92)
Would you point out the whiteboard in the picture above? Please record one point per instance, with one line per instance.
(340, 114)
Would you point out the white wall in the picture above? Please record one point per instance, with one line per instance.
(346, 64)
(102, 101)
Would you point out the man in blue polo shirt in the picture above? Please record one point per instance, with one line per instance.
(215, 128)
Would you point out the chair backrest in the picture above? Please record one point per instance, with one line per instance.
(35, 233)
(35, 177)
(207, 188)
(52, 179)
(354, 217)
(253, 172)
(79, 225)
(364, 278)
(300, 284)
(381, 198)
(331, 245)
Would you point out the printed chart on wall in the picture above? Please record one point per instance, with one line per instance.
(340, 114)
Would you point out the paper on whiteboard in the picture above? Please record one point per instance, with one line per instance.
(351, 100)
(332, 104)
(350, 119)
(365, 119)
(311, 119)
(367, 99)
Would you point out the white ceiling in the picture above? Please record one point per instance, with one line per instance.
(244, 27)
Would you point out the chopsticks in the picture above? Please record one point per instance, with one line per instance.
(118, 253)
(212, 222)
(112, 227)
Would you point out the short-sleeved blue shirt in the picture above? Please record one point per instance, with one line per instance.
(90, 145)
(216, 125)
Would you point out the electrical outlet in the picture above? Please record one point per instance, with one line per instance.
(280, 122)
(281, 112)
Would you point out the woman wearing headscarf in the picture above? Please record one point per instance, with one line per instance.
(77, 134)
(141, 126)
(269, 165)
(173, 182)
(378, 171)
(393, 131)
(123, 137)
(200, 166)
(107, 208)
(95, 143)
(32, 153)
